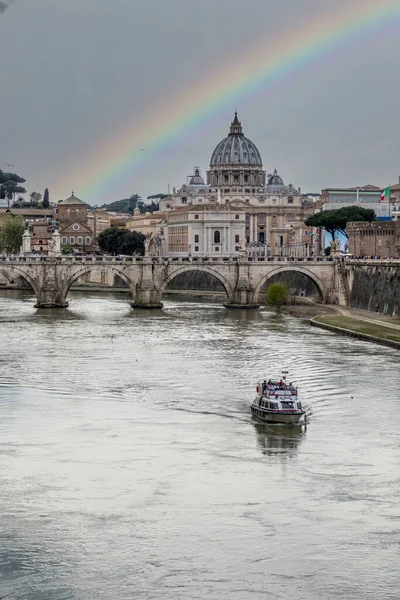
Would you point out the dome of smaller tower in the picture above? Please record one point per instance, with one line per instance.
(275, 182)
(196, 179)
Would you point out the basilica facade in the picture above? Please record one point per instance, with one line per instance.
(238, 202)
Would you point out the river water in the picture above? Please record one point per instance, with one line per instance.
(131, 468)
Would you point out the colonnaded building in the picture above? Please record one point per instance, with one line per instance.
(238, 204)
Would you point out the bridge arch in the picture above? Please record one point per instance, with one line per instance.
(204, 269)
(297, 269)
(10, 270)
(90, 268)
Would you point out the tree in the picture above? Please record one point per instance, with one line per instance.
(334, 221)
(35, 197)
(157, 197)
(11, 233)
(277, 295)
(126, 205)
(46, 199)
(121, 241)
(9, 185)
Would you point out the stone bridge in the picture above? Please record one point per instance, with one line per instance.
(147, 277)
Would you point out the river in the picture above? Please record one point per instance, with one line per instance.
(131, 467)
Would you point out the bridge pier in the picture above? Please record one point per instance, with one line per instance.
(244, 294)
(51, 299)
(146, 298)
(243, 298)
(145, 294)
(50, 288)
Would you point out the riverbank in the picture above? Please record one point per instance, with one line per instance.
(369, 327)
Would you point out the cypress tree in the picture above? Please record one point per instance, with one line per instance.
(46, 200)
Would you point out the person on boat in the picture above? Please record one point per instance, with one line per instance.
(264, 386)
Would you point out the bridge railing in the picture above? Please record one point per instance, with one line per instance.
(33, 258)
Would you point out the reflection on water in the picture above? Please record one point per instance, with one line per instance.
(279, 439)
(131, 466)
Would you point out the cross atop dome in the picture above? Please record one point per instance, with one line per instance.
(236, 126)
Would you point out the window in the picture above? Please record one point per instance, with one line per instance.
(290, 200)
(237, 248)
(64, 240)
(80, 240)
(72, 240)
(236, 178)
(88, 240)
(217, 237)
(72, 214)
(196, 216)
(196, 239)
(184, 200)
(75, 227)
(237, 239)
(40, 241)
(237, 217)
(226, 178)
(217, 249)
(246, 178)
(196, 248)
(287, 404)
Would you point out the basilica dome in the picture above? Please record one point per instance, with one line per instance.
(236, 149)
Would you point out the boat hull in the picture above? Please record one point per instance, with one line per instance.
(287, 418)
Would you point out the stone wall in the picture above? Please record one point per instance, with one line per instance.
(379, 238)
(376, 288)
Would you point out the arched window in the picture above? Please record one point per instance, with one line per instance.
(217, 237)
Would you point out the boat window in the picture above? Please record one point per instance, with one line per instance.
(287, 404)
(274, 405)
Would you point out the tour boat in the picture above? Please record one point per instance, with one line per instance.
(278, 402)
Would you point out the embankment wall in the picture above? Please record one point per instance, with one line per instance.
(376, 288)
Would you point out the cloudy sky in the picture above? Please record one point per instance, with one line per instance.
(105, 96)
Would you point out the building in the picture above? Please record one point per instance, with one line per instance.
(367, 196)
(74, 228)
(377, 239)
(274, 212)
(209, 229)
(41, 231)
(98, 220)
(147, 223)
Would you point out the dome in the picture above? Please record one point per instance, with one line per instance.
(196, 179)
(275, 181)
(236, 149)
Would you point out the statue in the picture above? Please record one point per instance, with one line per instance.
(335, 248)
(147, 242)
(243, 245)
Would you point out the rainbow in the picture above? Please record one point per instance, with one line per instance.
(114, 162)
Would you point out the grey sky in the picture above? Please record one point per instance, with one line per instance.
(74, 72)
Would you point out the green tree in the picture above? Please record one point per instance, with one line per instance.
(46, 198)
(11, 234)
(277, 295)
(35, 197)
(334, 221)
(126, 205)
(121, 241)
(157, 196)
(66, 250)
(9, 185)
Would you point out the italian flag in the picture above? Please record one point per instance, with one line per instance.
(385, 194)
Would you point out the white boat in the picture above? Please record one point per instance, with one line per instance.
(278, 402)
